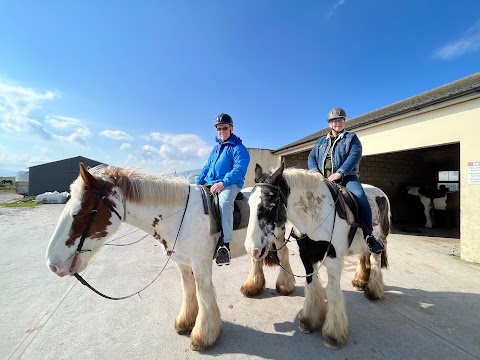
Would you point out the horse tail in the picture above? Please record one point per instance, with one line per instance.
(385, 224)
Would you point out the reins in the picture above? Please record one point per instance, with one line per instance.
(100, 196)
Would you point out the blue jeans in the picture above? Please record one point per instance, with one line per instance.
(226, 199)
(352, 183)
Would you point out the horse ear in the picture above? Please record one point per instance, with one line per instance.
(278, 173)
(258, 171)
(89, 179)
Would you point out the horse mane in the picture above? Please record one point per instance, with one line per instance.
(301, 178)
(141, 188)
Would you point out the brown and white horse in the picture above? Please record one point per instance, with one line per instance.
(305, 200)
(171, 211)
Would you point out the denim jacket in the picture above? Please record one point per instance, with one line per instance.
(227, 163)
(346, 154)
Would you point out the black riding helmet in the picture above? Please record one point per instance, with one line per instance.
(336, 113)
(223, 119)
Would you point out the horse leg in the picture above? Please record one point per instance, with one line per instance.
(285, 281)
(208, 325)
(375, 288)
(185, 320)
(312, 315)
(362, 275)
(335, 328)
(255, 282)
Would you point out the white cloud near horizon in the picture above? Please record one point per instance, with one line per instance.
(468, 42)
(116, 135)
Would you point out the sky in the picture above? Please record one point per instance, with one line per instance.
(139, 83)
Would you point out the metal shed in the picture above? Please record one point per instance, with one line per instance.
(57, 175)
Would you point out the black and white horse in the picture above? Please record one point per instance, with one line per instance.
(437, 199)
(304, 199)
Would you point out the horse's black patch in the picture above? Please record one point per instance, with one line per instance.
(312, 251)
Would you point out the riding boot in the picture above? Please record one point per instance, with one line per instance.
(375, 245)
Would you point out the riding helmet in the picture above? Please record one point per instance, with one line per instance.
(336, 113)
(223, 119)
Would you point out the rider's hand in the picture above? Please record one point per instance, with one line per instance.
(216, 188)
(335, 177)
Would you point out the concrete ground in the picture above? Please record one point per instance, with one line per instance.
(431, 308)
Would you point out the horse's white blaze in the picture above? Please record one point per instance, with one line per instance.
(253, 239)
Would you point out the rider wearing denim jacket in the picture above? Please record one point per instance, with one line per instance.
(225, 171)
(337, 157)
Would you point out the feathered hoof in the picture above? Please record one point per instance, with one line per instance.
(183, 328)
(373, 294)
(305, 325)
(331, 343)
(248, 290)
(284, 290)
(202, 343)
(358, 284)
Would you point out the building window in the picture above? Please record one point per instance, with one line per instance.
(449, 179)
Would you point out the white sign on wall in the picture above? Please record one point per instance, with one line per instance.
(474, 172)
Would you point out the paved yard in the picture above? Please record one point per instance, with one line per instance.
(431, 309)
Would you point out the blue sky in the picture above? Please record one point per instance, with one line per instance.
(140, 83)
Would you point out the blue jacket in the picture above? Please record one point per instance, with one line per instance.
(227, 163)
(346, 155)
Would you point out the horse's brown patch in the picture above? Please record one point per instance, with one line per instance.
(101, 221)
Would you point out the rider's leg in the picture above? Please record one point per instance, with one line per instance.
(353, 184)
(226, 199)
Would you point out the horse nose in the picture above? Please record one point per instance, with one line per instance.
(53, 268)
(256, 254)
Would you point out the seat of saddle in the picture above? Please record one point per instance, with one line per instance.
(241, 211)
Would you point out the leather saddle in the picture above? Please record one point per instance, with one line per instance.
(241, 211)
(346, 207)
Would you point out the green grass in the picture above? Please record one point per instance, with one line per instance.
(28, 201)
(7, 188)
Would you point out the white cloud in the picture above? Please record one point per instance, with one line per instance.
(125, 146)
(468, 42)
(181, 145)
(19, 106)
(116, 135)
(336, 5)
(69, 124)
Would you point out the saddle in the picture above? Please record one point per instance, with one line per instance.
(346, 207)
(241, 211)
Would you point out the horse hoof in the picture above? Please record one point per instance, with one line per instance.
(249, 291)
(331, 344)
(359, 285)
(282, 290)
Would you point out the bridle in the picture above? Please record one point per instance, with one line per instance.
(100, 195)
(281, 199)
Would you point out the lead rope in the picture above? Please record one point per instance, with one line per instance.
(84, 282)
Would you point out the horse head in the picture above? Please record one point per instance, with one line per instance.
(268, 211)
(88, 219)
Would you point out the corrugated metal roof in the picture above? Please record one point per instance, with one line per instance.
(462, 87)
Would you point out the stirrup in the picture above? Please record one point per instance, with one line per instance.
(375, 245)
(223, 256)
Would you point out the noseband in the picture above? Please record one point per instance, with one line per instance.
(100, 192)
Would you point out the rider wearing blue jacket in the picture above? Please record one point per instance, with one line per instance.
(337, 157)
(225, 171)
